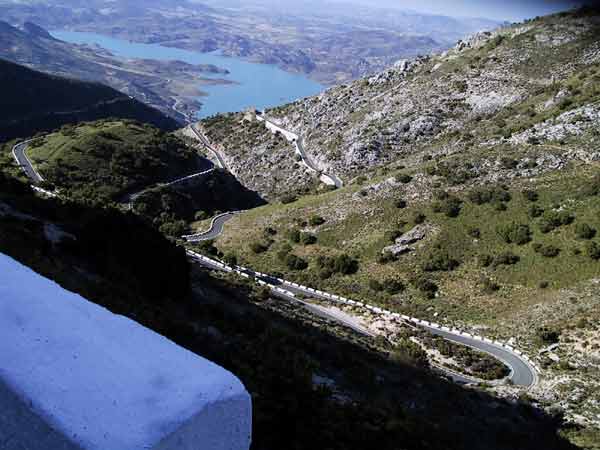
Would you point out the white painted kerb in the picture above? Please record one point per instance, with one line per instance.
(75, 376)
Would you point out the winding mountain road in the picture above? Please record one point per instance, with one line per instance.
(23, 161)
(296, 139)
(523, 372)
(216, 228)
(204, 141)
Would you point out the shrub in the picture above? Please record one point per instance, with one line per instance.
(483, 195)
(485, 260)
(294, 236)
(515, 233)
(316, 221)
(584, 231)
(418, 218)
(375, 285)
(403, 178)
(592, 250)
(549, 251)
(400, 204)
(593, 187)
(535, 211)
(450, 206)
(294, 262)
(488, 286)
(258, 247)
(505, 259)
(440, 260)
(391, 236)
(269, 231)
(530, 195)
(288, 198)
(308, 239)
(346, 265)
(543, 284)
(393, 286)
(230, 259)
(175, 229)
(554, 219)
(499, 206)
(474, 232)
(343, 264)
(201, 215)
(425, 286)
(508, 163)
(548, 335)
(386, 257)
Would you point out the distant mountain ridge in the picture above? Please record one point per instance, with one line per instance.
(34, 102)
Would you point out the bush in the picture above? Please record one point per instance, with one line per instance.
(346, 265)
(343, 264)
(400, 204)
(258, 247)
(474, 232)
(440, 260)
(393, 286)
(548, 335)
(316, 221)
(288, 198)
(449, 206)
(488, 286)
(505, 259)
(425, 286)
(375, 285)
(391, 236)
(294, 262)
(509, 163)
(230, 259)
(201, 215)
(418, 218)
(530, 195)
(294, 236)
(386, 257)
(552, 220)
(480, 196)
(548, 251)
(175, 229)
(308, 239)
(269, 231)
(592, 250)
(485, 260)
(515, 233)
(584, 231)
(403, 178)
(535, 211)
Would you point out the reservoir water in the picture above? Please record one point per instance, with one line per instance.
(258, 85)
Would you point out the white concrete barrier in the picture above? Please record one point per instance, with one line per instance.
(69, 383)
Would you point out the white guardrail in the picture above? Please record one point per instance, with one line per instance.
(338, 299)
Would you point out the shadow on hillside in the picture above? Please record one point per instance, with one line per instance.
(378, 402)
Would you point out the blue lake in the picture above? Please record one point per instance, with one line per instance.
(258, 85)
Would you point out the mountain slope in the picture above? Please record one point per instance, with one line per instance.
(105, 160)
(470, 198)
(34, 102)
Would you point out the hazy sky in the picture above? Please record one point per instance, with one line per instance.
(514, 10)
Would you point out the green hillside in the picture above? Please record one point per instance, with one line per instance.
(34, 102)
(105, 160)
